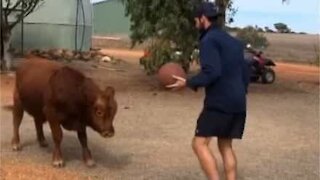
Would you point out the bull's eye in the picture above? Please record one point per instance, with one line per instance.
(99, 113)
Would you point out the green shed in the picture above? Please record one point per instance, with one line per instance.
(109, 18)
(53, 25)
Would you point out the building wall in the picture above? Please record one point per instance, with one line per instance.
(52, 25)
(109, 18)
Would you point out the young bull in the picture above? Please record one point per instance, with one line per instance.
(51, 92)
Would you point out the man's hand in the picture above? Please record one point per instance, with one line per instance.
(180, 83)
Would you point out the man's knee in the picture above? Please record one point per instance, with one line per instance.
(199, 143)
(224, 144)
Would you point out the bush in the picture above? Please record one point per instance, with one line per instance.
(317, 54)
(251, 35)
(161, 52)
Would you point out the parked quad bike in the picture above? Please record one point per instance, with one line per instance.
(263, 72)
(261, 67)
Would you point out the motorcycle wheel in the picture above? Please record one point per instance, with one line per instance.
(254, 78)
(268, 76)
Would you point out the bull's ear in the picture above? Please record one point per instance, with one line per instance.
(109, 91)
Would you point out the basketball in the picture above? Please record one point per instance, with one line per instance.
(166, 72)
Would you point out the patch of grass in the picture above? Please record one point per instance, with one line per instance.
(295, 47)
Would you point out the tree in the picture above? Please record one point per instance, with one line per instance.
(165, 22)
(260, 30)
(168, 23)
(250, 35)
(267, 29)
(232, 29)
(11, 9)
(226, 8)
(282, 28)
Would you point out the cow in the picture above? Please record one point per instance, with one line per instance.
(62, 96)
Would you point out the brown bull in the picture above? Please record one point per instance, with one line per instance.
(51, 92)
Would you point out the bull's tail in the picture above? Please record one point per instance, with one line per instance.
(7, 107)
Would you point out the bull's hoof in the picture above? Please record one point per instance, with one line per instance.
(43, 143)
(58, 163)
(16, 147)
(90, 163)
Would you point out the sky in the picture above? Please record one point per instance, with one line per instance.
(299, 15)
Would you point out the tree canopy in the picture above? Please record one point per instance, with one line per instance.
(282, 28)
(166, 20)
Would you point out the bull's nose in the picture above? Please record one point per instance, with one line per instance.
(107, 134)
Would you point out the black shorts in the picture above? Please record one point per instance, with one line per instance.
(220, 124)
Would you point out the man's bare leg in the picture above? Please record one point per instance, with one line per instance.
(207, 160)
(229, 158)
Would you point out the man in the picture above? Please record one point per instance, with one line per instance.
(225, 78)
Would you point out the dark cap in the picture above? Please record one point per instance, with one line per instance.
(207, 9)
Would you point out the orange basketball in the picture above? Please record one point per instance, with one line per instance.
(167, 70)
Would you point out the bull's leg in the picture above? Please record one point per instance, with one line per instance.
(39, 127)
(57, 160)
(82, 135)
(17, 118)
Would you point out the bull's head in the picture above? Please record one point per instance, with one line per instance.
(104, 111)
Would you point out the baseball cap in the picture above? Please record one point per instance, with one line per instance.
(207, 9)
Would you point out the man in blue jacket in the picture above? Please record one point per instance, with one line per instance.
(224, 74)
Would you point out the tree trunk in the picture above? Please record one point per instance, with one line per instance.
(223, 4)
(7, 59)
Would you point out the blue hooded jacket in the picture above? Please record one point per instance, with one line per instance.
(224, 72)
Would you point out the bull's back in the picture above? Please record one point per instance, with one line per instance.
(66, 90)
(66, 96)
(32, 78)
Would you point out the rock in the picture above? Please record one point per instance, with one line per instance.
(106, 59)
(93, 53)
(77, 55)
(95, 49)
(35, 51)
(55, 53)
(86, 56)
(97, 58)
(68, 54)
(46, 56)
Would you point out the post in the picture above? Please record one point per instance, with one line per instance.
(1, 37)
(22, 27)
(76, 28)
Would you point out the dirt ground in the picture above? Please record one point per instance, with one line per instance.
(154, 130)
(299, 48)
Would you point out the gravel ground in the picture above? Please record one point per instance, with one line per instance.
(154, 130)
